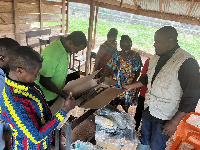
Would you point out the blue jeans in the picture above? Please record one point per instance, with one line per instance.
(151, 134)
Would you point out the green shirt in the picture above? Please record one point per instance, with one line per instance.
(55, 65)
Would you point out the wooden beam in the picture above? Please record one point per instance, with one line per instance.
(121, 3)
(79, 1)
(41, 14)
(110, 2)
(52, 9)
(6, 7)
(16, 21)
(161, 2)
(36, 18)
(117, 3)
(88, 53)
(35, 1)
(63, 16)
(51, 3)
(67, 17)
(95, 27)
(191, 5)
(124, 5)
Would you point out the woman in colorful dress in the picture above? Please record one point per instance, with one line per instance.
(125, 67)
(23, 104)
(106, 50)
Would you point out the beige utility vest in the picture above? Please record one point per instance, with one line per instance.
(164, 95)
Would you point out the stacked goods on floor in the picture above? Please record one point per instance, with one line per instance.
(115, 130)
(79, 145)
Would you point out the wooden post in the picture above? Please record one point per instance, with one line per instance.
(63, 16)
(121, 3)
(41, 14)
(88, 53)
(135, 2)
(16, 21)
(161, 2)
(67, 18)
(95, 27)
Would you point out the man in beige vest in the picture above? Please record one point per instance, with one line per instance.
(172, 89)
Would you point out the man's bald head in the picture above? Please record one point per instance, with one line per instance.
(169, 32)
(165, 39)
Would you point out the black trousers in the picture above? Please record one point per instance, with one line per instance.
(139, 109)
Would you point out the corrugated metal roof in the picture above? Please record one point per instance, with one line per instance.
(195, 11)
(176, 7)
(153, 5)
(152, 8)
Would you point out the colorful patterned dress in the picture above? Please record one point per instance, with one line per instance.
(24, 108)
(124, 73)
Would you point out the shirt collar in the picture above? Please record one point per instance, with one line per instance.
(61, 45)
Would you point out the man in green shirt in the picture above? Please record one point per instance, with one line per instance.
(55, 64)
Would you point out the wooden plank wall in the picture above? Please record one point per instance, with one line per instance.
(29, 12)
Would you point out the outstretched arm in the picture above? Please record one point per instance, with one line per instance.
(46, 82)
(136, 84)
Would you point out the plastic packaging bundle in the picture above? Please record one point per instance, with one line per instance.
(79, 145)
(122, 131)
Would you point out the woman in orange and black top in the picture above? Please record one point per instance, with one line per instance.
(106, 50)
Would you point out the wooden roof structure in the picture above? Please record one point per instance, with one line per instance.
(184, 11)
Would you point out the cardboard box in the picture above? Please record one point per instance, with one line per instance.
(83, 84)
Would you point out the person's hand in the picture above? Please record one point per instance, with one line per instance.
(102, 79)
(69, 104)
(127, 87)
(170, 127)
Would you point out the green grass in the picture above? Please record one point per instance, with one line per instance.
(142, 36)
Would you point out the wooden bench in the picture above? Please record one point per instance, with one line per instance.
(36, 33)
